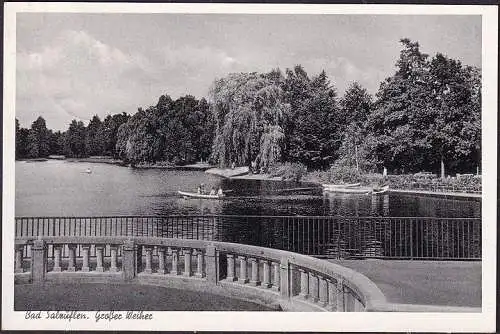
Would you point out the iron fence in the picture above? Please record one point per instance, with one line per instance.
(321, 236)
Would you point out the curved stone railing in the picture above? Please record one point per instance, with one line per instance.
(294, 282)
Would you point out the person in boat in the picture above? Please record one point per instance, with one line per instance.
(220, 193)
(212, 191)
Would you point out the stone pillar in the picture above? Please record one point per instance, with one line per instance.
(57, 258)
(211, 264)
(276, 281)
(114, 258)
(39, 261)
(349, 301)
(86, 255)
(199, 263)
(230, 268)
(99, 253)
(128, 260)
(267, 274)
(255, 272)
(72, 257)
(323, 291)
(138, 259)
(340, 295)
(175, 262)
(332, 295)
(161, 260)
(19, 258)
(285, 278)
(304, 283)
(149, 259)
(243, 270)
(187, 262)
(314, 287)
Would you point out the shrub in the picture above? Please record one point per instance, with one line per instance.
(344, 174)
(288, 171)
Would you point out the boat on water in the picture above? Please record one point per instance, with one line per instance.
(379, 191)
(88, 171)
(346, 185)
(187, 194)
(351, 190)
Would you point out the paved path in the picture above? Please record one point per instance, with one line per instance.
(450, 283)
(122, 297)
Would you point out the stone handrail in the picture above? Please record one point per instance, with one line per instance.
(294, 281)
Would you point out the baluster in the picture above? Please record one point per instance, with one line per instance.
(199, 264)
(175, 261)
(314, 287)
(323, 291)
(114, 258)
(19, 258)
(149, 258)
(267, 274)
(161, 260)
(276, 281)
(187, 262)
(71, 257)
(86, 253)
(255, 272)
(99, 253)
(57, 258)
(340, 295)
(230, 268)
(243, 270)
(304, 283)
(332, 295)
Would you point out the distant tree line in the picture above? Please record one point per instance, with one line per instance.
(98, 138)
(426, 116)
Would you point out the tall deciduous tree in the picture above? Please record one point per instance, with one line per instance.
(21, 141)
(74, 140)
(312, 133)
(38, 139)
(248, 110)
(400, 110)
(355, 107)
(454, 132)
(93, 142)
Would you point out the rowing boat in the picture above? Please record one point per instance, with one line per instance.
(353, 190)
(380, 191)
(335, 186)
(196, 195)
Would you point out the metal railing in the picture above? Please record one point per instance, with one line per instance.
(320, 236)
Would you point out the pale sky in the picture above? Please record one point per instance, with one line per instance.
(72, 66)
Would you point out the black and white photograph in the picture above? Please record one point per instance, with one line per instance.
(211, 166)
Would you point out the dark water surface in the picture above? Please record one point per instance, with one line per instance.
(60, 188)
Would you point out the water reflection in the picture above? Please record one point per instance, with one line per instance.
(59, 188)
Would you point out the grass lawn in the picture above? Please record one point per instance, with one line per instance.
(122, 297)
(451, 283)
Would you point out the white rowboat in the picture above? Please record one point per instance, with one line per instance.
(196, 195)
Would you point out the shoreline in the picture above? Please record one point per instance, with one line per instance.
(243, 173)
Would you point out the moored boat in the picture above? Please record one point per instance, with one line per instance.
(347, 185)
(379, 191)
(351, 190)
(196, 195)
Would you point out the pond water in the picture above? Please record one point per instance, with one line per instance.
(61, 188)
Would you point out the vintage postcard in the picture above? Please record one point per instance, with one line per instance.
(223, 167)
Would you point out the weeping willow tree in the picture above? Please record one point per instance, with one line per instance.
(248, 110)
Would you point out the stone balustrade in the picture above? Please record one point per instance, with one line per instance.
(295, 282)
